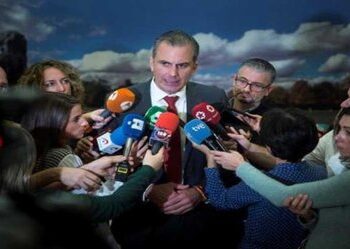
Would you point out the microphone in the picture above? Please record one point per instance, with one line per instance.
(152, 115)
(133, 127)
(198, 132)
(166, 124)
(110, 142)
(211, 116)
(119, 101)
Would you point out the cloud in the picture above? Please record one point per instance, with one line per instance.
(222, 81)
(309, 38)
(335, 64)
(287, 67)
(114, 78)
(286, 51)
(109, 61)
(114, 67)
(16, 16)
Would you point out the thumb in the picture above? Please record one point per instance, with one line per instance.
(181, 186)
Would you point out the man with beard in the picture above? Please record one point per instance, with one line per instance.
(251, 84)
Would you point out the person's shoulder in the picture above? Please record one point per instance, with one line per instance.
(57, 154)
(140, 85)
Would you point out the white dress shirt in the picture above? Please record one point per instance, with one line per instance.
(157, 99)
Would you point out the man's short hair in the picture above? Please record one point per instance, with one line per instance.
(177, 38)
(260, 65)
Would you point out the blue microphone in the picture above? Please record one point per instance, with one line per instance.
(198, 132)
(118, 137)
(133, 127)
(110, 142)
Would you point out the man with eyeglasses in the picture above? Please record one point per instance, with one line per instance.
(251, 84)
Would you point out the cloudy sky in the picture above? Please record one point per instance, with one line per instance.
(111, 39)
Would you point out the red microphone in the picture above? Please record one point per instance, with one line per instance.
(166, 124)
(207, 113)
(211, 116)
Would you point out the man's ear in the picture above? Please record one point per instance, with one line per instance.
(268, 90)
(195, 67)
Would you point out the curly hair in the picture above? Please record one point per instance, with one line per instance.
(33, 76)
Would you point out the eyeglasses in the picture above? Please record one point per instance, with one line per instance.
(254, 86)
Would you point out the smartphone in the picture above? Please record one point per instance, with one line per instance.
(236, 112)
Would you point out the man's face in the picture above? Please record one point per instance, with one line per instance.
(3, 79)
(172, 67)
(246, 95)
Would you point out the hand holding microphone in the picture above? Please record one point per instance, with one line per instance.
(133, 127)
(198, 132)
(119, 101)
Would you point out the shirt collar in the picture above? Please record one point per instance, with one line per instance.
(158, 94)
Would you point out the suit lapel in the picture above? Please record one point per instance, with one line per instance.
(143, 96)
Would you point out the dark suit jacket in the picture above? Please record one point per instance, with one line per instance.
(194, 161)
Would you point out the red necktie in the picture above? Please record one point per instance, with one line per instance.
(173, 153)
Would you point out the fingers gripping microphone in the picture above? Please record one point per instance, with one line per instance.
(166, 124)
(211, 116)
(198, 132)
(133, 127)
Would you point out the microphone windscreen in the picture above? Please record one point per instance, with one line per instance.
(168, 120)
(120, 100)
(207, 113)
(152, 115)
(133, 126)
(197, 131)
(118, 137)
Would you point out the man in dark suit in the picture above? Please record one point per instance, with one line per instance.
(175, 214)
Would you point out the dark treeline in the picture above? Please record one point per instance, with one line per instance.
(325, 95)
